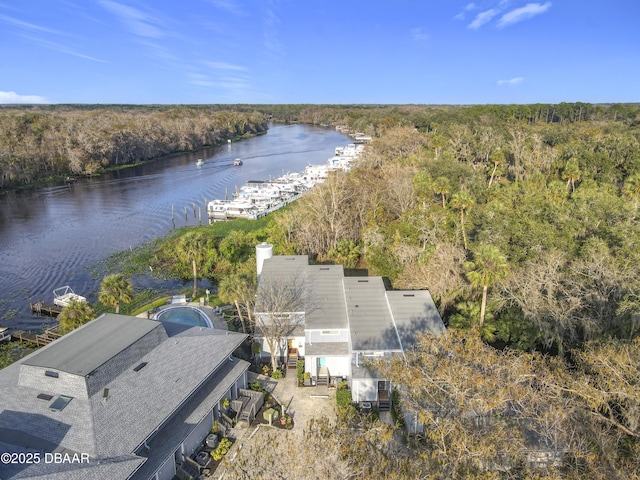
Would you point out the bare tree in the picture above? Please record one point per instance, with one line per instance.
(280, 307)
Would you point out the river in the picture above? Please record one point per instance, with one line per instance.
(52, 236)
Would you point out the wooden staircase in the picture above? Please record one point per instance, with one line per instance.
(292, 358)
(384, 399)
(323, 376)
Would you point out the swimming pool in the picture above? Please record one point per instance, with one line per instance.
(184, 315)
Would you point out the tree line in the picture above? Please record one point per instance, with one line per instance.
(40, 143)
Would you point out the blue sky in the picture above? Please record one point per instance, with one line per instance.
(319, 51)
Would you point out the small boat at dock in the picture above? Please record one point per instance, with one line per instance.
(63, 296)
(200, 162)
(5, 334)
(237, 162)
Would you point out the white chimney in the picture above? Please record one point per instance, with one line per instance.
(263, 251)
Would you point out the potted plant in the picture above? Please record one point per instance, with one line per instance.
(307, 379)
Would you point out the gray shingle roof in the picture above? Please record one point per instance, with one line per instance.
(370, 320)
(92, 344)
(414, 312)
(327, 307)
(137, 402)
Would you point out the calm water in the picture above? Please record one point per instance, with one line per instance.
(52, 236)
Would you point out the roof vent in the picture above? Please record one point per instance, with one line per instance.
(105, 393)
(139, 367)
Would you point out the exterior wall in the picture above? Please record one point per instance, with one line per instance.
(168, 470)
(198, 434)
(364, 390)
(265, 352)
(317, 336)
(338, 366)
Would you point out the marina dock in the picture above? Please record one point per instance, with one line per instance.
(258, 198)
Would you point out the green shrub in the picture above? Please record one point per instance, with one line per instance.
(277, 374)
(300, 371)
(343, 398)
(221, 451)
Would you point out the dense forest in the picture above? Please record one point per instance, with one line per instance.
(522, 221)
(44, 142)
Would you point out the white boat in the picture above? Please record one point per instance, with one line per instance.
(200, 162)
(5, 336)
(230, 209)
(258, 198)
(63, 296)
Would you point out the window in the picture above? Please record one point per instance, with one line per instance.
(51, 374)
(59, 403)
(44, 396)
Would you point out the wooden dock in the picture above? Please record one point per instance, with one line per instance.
(40, 339)
(44, 309)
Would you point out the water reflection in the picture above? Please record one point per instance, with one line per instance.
(52, 236)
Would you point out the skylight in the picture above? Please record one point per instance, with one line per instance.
(51, 374)
(59, 403)
(44, 396)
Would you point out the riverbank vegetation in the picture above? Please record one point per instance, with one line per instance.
(44, 143)
(522, 221)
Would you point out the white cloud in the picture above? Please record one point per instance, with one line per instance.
(468, 8)
(26, 25)
(138, 22)
(418, 35)
(482, 18)
(523, 13)
(13, 97)
(511, 82)
(229, 6)
(225, 66)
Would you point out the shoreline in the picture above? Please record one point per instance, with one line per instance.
(60, 179)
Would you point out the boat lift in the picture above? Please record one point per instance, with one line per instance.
(63, 296)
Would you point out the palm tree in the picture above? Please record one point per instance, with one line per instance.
(571, 173)
(240, 290)
(631, 189)
(462, 200)
(467, 317)
(488, 267)
(74, 315)
(115, 289)
(442, 187)
(497, 157)
(190, 248)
